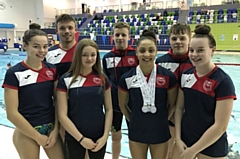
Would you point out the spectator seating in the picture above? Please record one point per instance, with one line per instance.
(137, 22)
(214, 16)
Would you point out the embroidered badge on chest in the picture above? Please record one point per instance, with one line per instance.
(161, 81)
(131, 61)
(49, 74)
(97, 80)
(207, 85)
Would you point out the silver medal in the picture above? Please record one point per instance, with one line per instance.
(144, 109)
(153, 109)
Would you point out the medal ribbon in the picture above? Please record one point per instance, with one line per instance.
(147, 88)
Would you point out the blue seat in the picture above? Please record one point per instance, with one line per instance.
(220, 11)
(167, 42)
(234, 10)
(176, 11)
(191, 13)
(234, 19)
(229, 11)
(220, 16)
(229, 18)
(165, 27)
(152, 15)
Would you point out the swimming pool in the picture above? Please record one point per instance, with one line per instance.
(233, 70)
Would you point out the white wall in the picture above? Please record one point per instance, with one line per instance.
(55, 7)
(49, 11)
(20, 12)
(208, 2)
(3, 33)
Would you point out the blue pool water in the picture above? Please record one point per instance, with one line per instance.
(233, 128)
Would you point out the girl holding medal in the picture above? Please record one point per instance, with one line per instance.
(144, 93)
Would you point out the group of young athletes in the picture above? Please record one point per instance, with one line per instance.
(64, 99)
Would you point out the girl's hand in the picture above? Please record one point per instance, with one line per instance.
(88, 144)
(172, 118)
(100, 143)
(42, 140)
(52, 138)
(181, 145)
(188, 153)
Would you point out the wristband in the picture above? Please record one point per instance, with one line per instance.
(81, 139)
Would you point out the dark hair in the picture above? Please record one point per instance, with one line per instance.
(29, 34)
(203, 31)
(34, 26)
(180, 28)
(64, 18)
(147, 34)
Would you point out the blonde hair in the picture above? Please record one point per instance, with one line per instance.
(120, 25)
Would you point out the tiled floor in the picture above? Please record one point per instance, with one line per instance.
(8, 151)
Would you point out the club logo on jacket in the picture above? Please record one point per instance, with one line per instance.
(161, 81)
(207, 85)
(57, 55)
(49, 74)
(97, 80)
(27, 76)
(131, 61)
